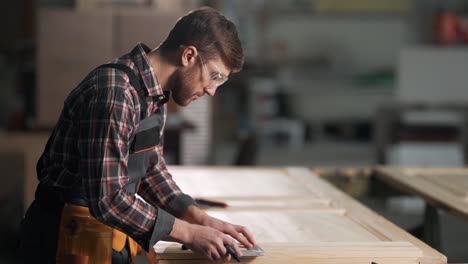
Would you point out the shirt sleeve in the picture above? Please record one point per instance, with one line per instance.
(107, 123)
(159, 188)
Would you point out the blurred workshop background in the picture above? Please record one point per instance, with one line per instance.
(327, 84)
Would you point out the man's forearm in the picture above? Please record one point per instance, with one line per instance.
(194, 215)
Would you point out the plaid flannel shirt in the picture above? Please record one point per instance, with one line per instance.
(90, 147)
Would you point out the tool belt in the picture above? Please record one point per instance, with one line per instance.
(83, 239)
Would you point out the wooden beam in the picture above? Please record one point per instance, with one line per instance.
(319, 252)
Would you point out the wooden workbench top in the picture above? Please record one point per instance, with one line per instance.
(446, 188)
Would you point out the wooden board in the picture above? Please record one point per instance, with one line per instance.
(446, 188)
(269, 203)
(241, 183)
(247, 189)
(310, 252)
(300, 226)
(316, 223)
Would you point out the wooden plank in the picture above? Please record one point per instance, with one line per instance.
(269, 203)
(281, 259)
(428, 171)
(240, 182)
(171, 250)
(330, 225)
(454, 183)
(428, 183)
(310, 252)
(455, 180)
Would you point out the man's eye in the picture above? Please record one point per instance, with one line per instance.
(216, 76)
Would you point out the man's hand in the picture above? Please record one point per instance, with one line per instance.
(240, 233)
(197, 216)
(205, 240)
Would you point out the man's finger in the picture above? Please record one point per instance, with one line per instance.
(239, 237)
(244, 231)
(227, 257)
(221, 248)
(214, 254)
(240, 234)
(233, 247)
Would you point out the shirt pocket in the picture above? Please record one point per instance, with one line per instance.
(145, 140)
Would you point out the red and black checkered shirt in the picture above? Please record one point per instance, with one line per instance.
(90, 147)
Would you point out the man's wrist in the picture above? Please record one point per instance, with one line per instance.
(195, 215)
(181, 232)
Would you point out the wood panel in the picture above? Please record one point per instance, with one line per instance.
(268, 203)
(446, 188)
(457, 184)
(310, 252)
(244, 188)
(300, 226)
(314, 223)
(241, 183)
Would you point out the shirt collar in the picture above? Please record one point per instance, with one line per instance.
(141, 60)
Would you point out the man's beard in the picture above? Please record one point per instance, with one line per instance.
(181, 85)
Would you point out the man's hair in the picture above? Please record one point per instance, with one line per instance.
(211, 33)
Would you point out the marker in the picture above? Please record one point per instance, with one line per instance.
(210, 203)
(231, 252)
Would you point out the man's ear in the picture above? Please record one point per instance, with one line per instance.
(189, 55)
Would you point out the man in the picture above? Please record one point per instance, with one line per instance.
(102, 174)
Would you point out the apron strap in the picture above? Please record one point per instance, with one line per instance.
(134, 81)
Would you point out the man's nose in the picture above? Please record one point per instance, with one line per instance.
(211, 90)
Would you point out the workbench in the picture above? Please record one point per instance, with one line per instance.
(441, 188)
(296, 217)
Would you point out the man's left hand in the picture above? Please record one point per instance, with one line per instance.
(197, 216)
(240, 233)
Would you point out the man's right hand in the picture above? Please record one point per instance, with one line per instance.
(204, 240)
